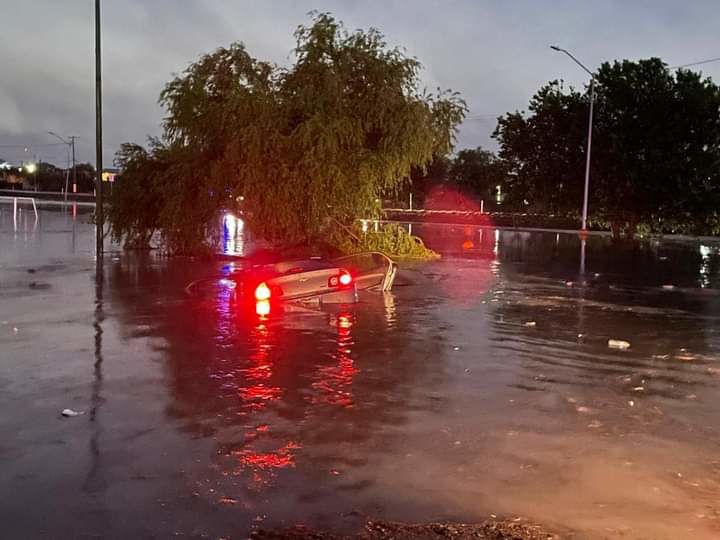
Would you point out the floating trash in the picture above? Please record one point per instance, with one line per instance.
(618, 344)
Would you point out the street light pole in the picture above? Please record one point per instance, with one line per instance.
(98, 142)
(589, 140)
(587, 159)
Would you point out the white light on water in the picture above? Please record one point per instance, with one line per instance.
(233, 243)
(234, 224)
(704, 279)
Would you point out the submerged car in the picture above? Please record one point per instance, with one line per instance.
(335, 281)
(315, 280)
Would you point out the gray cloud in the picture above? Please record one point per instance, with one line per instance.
(495, 53)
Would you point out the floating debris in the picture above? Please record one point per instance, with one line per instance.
(531, 324)
(69, 413)
(618, 344)
(668, 287)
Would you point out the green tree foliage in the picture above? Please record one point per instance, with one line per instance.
(544, 151)
(655, 156)
(477, 172)
(422, 180)
(85, 177)
(320, 141)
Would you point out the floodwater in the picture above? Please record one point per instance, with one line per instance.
(483, 385)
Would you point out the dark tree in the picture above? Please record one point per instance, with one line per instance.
(319, 142)
(655, 156)
(478, 172)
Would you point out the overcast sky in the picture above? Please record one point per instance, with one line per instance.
(495, 53)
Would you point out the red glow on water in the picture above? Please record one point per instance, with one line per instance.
(262, 308)
(269, 460)
(260, 392)
(344, 322)
(334, 382)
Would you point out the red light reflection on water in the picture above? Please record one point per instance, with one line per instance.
(264, 461)
(334, 382)
(253, 384)
(256, 393)
(262, 308)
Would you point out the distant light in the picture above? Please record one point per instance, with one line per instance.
(31, 168)
(705, 251)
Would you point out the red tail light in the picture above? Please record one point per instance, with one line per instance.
(343, 279)
(262, 292)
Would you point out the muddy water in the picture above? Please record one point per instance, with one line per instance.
(483, 385)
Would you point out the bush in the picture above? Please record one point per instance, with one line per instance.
(391, 239)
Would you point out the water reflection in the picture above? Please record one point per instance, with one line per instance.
(233, 235)
(95, 481)
(333, 382)
(705, 266)
(445, 388)
(274, 388)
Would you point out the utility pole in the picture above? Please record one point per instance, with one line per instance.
(99, 220)
(74, 169)
(71, 148)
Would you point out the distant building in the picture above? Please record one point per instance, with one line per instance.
(109, 175)
(9, 175)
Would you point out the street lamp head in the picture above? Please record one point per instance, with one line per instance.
(31, 168)
(555, 48)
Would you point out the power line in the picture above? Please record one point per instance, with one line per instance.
(697, 63)
(30, 145)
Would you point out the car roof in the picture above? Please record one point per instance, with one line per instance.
(305, 265)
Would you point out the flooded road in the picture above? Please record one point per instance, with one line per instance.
(482, 385)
